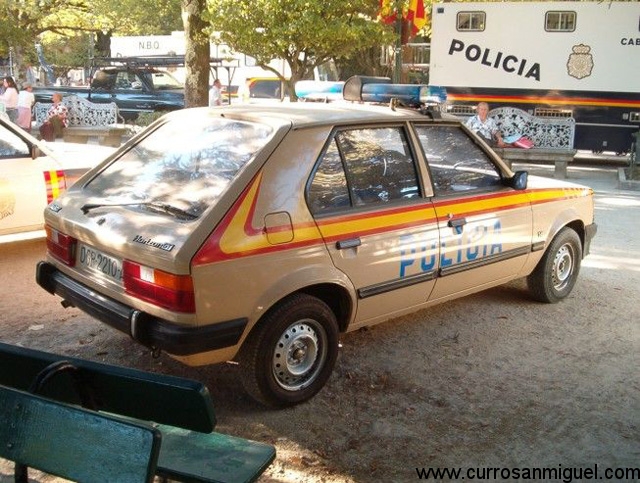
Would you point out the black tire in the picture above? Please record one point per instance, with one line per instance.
(557, 272)
(290, 354)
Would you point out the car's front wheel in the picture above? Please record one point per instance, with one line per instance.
(290, 354)
(557, 272)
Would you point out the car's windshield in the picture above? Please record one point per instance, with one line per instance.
(164, 80)
(185, 165)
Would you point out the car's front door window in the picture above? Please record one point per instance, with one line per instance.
(456, 163)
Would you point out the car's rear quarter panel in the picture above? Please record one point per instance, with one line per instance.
(267, 246)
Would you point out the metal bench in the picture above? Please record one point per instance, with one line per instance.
(86, 120)
(552, 137)
(181, 409)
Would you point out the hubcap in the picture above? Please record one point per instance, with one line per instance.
(562, 267)
(299, 355)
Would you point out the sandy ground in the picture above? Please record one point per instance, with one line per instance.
(492, 380)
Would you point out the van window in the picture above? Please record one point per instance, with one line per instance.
(471, 21)
(560, 21)
(184, 165)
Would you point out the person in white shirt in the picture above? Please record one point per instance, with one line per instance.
(25, 103)
(485, 126)
(215, 94)
(10, 98)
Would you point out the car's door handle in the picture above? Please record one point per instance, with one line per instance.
(350, 243)
(457, 222)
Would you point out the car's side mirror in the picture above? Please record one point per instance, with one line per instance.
(519, 180)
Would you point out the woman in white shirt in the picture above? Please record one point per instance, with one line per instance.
(25, 102)
(10, 98)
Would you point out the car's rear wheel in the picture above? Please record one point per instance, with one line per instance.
(290, 354)
(556, 274)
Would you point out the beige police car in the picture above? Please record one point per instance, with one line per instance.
(261, 233)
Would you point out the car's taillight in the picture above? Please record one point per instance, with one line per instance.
(61, 246)
(173, 292)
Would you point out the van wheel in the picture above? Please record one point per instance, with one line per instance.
(289, 355)
(557, 272)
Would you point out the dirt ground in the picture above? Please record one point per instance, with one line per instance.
(492, 380)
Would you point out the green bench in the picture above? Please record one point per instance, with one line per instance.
(54, 437)
(180, 409)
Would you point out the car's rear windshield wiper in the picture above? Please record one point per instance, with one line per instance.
(156, 205)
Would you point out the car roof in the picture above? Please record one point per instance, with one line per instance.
(301, 115)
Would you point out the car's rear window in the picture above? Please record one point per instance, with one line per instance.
(183, 165)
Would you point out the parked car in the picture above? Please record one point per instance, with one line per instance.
(33, 173)
(261, 233)
(133, 83)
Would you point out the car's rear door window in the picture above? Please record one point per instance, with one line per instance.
(183, 165)
(364, 167)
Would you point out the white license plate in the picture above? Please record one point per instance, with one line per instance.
(99, 263)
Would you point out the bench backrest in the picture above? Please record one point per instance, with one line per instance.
(545, 132)
(80, 445)
(169, 400)
(82, 113)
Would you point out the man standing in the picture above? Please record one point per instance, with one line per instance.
(215, 94)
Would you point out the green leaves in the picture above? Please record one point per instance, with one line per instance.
(302, 32)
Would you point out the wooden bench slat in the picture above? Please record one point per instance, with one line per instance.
(75, 443)
(119, 390)
(214, 458)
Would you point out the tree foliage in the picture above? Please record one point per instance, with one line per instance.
(302, 32)
(65, 27)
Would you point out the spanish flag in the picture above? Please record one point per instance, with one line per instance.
(387, 13)
(55, 183)
(416, 15)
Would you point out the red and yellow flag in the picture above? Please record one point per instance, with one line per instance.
(416, 15)
(55, 183)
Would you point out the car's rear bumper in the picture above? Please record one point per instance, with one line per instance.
(146, 329)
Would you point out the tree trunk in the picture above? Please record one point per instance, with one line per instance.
(196, 88)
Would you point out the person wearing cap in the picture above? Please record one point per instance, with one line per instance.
(26, 100)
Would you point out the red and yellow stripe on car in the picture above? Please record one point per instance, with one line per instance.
(236, 236)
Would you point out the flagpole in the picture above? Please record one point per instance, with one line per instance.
(397, 71)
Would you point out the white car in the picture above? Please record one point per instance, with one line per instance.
(33, 173)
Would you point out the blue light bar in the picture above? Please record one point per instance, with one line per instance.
(319, 90)
(381, 90)
(371, 89)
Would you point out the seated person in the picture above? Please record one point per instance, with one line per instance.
(485, 126)
(56, 120)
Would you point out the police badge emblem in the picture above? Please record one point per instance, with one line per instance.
(580, 63)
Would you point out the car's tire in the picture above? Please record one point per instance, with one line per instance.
(290, 354)
(557, 272)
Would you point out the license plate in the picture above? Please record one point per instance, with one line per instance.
(99, 263)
